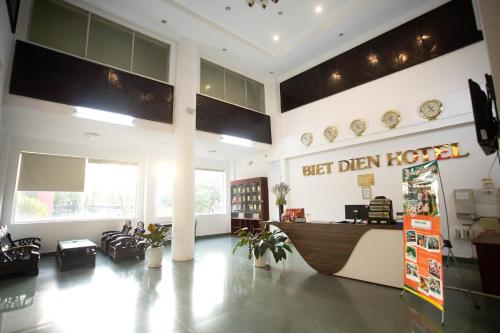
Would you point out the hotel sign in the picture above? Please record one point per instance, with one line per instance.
(406, 157)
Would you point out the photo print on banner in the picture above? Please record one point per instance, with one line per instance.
(423, 275)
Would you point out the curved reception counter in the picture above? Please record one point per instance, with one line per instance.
(366, 252)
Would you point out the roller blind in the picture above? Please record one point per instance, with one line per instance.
(41, 172)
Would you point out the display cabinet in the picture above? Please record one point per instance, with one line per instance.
(249, 203)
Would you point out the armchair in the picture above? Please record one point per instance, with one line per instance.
(19, 256)
(107, 236)
(128, 247)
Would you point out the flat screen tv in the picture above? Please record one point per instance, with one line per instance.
(486, 122)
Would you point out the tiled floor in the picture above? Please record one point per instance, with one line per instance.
(219, 292)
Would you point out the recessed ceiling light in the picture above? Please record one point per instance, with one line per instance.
(207, 87)
(164, 21)
(318, 9)
(280, 12)
(276, 38)
(341, 34)
(224, 49)
(271, 72)
(228, 8)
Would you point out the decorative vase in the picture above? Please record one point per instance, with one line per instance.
(155, 256)
(261, 262)
(280, 207)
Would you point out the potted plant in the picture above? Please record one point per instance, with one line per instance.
(259, 244)
(155, 240)
(280, 191)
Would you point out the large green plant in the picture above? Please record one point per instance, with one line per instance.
(259, 243)
(156, 237)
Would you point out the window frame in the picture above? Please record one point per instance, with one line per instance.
(122, 23)
(160, 219)
(224, 99)
(137, 200)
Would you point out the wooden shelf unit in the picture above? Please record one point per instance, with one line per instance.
(249, 203)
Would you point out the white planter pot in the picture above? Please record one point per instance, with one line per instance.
(155, 256)
(262, 261)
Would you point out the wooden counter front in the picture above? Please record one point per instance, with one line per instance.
(326, 247)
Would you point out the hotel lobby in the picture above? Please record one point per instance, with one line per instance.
(249, 166)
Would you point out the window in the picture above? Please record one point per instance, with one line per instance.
(110, 192)
(151, 58)
(58, 25)
(164, 190)
(223, 84)
(109, 43)
(64, 27)
(210, 191)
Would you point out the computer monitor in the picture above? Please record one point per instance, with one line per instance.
(356, 212)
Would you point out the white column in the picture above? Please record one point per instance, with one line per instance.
(184, 134)
(491, 29)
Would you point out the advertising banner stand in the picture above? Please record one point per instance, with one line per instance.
(423, 246)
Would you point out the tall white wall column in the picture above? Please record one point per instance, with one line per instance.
(184, 135)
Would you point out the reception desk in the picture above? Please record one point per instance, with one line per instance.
(368, 252)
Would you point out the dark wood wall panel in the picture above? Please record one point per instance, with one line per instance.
(218, 117)
(53, 76)
(440, 31)
(326, 247)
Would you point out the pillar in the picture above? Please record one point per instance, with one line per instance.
(186, 79)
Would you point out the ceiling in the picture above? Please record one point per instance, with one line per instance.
(306, 38)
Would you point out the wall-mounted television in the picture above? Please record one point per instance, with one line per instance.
(485, 115)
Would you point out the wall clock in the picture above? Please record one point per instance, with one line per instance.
(306, 139)
(430, 110)
(358, 126)
(330, 133)
(391, 118)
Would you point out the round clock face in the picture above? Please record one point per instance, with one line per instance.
(358, 126)
(431, 109)
(330, 133)
(306, 139)
(391, 118)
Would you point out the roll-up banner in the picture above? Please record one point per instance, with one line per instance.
(423, 273)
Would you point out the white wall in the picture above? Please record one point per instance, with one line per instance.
(251, 167)
(5, 51)
(444, 78)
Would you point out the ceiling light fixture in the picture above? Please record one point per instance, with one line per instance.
(373, 59)
(262, 3)
(276, 38)
(164, 21)
(235, 141)
(104, 116)
(336, 76)
(318, 9)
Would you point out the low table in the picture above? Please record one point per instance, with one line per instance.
(75, 253)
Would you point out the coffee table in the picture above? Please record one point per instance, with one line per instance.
(75, 253)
